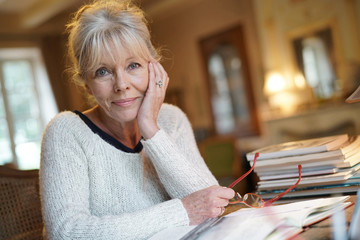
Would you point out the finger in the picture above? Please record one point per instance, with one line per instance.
(216, 203)
(159, 82)
(161, 74)
(162, 71)
(215, 212)
(221, 192)
(159, 70)
(220, 202)
(152, 76)
(222, 210)
(211, 204)
(226, 193)
(166, 77)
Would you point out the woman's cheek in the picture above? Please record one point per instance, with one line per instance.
(142, 82)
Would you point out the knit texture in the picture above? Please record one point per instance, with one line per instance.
(91, 190)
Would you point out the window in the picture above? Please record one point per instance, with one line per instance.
(315, 58)
(317, 68)
(228, 98)
(26, 105)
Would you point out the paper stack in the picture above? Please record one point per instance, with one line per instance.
(330, 165)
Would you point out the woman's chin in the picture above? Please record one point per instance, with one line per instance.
(126, 116)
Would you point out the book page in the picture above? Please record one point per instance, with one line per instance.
(244, 225)
(301, 213)
(172, 233)
(277, 222)
(324, 212)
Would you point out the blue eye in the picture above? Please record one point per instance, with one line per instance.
(101, 72)
(134, 65)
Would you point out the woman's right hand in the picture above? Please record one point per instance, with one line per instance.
(153, 99)
(207, 203)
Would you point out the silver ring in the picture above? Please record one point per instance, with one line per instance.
(159, 83)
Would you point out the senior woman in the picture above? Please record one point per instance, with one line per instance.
(128, 167)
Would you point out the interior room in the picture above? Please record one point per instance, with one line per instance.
(247, 73)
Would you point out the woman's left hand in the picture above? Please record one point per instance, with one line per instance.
(207, 203)
(153, 99)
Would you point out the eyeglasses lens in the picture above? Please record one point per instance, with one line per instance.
(253, 200)
(236, 199)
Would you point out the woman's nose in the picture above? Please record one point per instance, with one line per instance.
(121, 82)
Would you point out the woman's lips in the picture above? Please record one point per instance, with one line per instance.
(124, 102)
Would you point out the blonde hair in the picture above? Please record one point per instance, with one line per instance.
(97, 26)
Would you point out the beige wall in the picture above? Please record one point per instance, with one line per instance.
(269, 25)
(180, 33)
(279, 21)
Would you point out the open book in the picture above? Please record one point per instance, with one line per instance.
(276, 222)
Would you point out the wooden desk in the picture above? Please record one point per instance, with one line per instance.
(321, 230)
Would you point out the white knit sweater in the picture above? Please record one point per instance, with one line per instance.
(92, 190)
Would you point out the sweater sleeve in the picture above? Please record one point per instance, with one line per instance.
(176, 158)
(65, 194)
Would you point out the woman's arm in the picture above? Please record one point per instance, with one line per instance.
(175, 155)
(66, 195)
(181, 168)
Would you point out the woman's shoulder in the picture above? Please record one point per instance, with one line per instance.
(65, 116)
(171, 117)
(170, 111)
(64, 121)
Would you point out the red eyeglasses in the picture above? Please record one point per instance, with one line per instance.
(254, 200)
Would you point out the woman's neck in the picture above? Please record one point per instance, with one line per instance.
(127, 133)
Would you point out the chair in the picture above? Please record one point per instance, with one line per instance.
(224, 161)
(20, 208)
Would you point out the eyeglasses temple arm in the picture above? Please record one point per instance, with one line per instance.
(269, 202)
(247, 173)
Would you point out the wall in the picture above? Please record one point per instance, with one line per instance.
(278, 21)
(269, 25)
(180, 33)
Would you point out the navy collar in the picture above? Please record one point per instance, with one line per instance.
(109, 139)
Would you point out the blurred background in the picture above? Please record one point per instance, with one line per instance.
(248, 73)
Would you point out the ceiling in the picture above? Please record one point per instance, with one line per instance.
(23, 16)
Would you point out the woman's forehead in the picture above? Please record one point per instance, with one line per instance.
(118, 51)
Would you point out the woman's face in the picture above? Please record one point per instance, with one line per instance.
(119, 86)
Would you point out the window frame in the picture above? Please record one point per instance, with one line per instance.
(39, 77)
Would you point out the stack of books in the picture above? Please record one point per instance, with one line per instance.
(330, 166)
